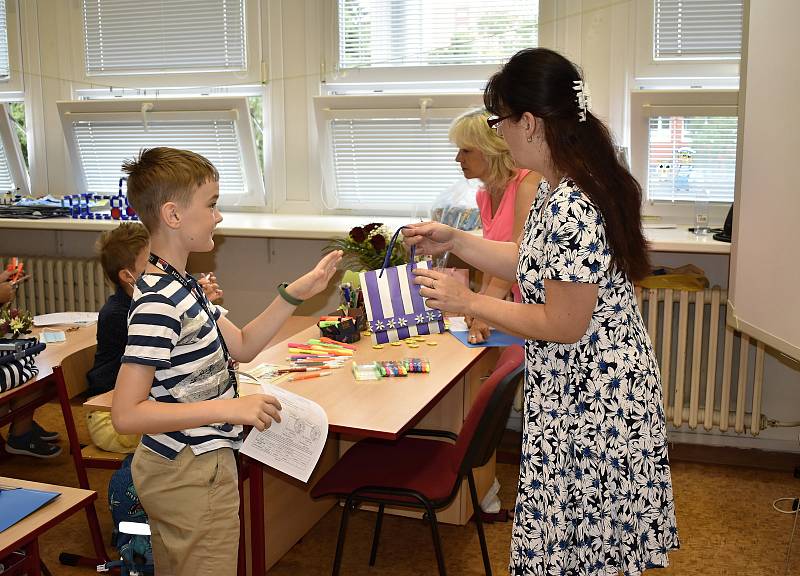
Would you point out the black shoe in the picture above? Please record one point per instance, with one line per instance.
(45, 435)
(31, 445)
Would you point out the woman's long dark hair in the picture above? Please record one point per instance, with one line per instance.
(541, 81)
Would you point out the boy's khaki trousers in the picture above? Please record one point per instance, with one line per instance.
(192, 503)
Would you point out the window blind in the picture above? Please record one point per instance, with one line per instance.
(697, 29)
(5, 68)
(392, 163)
(163, 36)
(691, 157)
(104, 145)
(381, 33)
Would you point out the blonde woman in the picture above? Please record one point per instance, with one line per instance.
(504, 199)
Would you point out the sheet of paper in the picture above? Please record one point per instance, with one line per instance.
(456, 324)
(65, 318)
(293, 445)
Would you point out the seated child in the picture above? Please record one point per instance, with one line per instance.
(25, 436)
(123, 254)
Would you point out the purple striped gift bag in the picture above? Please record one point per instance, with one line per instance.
(395, 308)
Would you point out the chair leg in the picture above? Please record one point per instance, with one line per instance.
(476, 508)
(337, 560)
(437, 541)
(376, 536)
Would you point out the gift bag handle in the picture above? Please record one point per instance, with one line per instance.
(389, 249)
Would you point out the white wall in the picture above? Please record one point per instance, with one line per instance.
(597, 34)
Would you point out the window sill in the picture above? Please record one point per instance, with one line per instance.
(318, 227)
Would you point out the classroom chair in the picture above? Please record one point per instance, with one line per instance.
(423, 469)
(71, 381)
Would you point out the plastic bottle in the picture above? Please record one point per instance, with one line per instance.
(701, 206)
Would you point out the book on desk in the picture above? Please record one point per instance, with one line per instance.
(18, 503)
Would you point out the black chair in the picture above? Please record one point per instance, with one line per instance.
(426, 473)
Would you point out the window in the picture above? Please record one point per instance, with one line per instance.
(102, 133)
(684, 144)
(404, 69)
(150, 43)
(688, 43)
(390, 154)
(697, 29)
(13, 169)
(695, 156)
(383, 35)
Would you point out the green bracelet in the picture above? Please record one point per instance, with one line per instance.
(288, 297)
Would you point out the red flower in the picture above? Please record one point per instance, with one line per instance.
(13, 313)
(378, 242)
(358, 234)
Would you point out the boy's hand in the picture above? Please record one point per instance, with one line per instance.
(208, 282)
(5, 275)
(7, 292)
(315, 281)
(256, 410)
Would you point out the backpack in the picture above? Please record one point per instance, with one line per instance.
(135, 550)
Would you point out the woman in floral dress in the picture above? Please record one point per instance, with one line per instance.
(595, 493)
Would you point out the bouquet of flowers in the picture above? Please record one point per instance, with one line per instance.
(14, 322)
(365, 247)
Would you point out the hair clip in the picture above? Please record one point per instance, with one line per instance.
(583, 98)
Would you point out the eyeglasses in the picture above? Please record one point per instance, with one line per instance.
(494, 122)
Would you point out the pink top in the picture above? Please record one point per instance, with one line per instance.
(501, 226)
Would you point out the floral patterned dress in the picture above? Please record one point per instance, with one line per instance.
(595, 493)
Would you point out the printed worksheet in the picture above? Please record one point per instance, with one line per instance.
(293, 445)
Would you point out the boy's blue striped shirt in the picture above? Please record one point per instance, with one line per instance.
(168, 329)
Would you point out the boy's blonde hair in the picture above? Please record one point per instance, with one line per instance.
(470, 131)
(119, 248)
(161, 175)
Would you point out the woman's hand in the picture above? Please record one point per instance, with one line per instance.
(431, 238)
(316, 280)
(478, 331)
(208, 282)
(256, 410)
(444, 292)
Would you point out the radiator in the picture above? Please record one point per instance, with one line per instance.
(705, 364)
(61, 285)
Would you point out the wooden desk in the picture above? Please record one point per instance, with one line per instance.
(47, 361)
(25, 533)
(44, 388)
(383, 409)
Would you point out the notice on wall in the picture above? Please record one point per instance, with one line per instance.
(293, 445)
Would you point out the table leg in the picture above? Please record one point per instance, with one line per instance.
(256, 477)
(34, 561)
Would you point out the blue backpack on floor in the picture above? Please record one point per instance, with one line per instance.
(135, 550)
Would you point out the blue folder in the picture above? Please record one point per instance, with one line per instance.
(18, 503)
(496, 338)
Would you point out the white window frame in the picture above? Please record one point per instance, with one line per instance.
(671, 74)
(648, 103)
(253, 75)
(14, 87)
(328, 108)
(13, 153)
(183, 108)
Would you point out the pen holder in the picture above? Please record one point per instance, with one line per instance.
(344, 331)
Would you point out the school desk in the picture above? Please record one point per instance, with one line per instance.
(280, 508)
(46, 386)
(25, 533)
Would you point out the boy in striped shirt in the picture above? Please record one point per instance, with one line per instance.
(176, 385)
